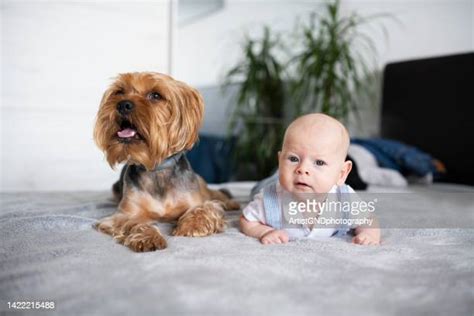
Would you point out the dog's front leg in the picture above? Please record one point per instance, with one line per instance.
(200, 221)
(112, 225)
(136, 233)
(142, 237)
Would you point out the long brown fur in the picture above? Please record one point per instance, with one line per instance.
(166, 126)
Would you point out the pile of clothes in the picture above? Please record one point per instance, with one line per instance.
(387, 162)
(376, 161)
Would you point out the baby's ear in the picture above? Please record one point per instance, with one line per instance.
(346, 168)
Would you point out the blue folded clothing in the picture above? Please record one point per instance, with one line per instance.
(211, 158)
(406, 159)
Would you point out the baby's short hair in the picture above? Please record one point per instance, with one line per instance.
(320, 118)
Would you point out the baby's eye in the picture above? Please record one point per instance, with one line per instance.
(320, 162)
(293, 158)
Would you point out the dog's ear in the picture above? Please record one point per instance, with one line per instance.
(102, 120)
(107, 94)
(188, 108)
(102, 128)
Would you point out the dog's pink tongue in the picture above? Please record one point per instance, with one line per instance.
(126, 133)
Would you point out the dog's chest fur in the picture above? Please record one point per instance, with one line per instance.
(164, 194)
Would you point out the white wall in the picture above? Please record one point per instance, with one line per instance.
(426, 28)
(419, 28)
(207, 47)
(57, 58)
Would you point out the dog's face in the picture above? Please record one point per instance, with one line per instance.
(146, 117)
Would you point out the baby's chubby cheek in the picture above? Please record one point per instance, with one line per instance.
(285, 178)
(286, 185)
(325, 187)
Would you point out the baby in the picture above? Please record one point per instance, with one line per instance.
(311, 161)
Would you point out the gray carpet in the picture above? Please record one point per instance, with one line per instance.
(49, 252)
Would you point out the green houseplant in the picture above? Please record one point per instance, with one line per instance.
(258, 117)
(334, 67)
(328, 69)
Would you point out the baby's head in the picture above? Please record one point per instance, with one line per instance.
(313, 155)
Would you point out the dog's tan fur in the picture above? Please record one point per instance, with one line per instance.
(166, 126)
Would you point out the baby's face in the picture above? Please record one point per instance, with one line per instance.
(312, 159)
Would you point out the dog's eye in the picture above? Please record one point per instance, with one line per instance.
(154, 96)
(119, 92)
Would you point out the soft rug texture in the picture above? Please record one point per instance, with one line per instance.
(49, 252)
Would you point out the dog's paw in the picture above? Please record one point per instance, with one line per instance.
(192, 231)
(104, 227)
(201, 221)
(111, 225)
(143, 238)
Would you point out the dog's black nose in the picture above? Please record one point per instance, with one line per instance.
(125, 107)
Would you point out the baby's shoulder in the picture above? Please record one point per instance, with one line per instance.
(343, 188)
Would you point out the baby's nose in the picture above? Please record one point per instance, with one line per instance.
(302, 169)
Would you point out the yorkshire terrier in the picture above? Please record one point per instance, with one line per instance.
(149, 120)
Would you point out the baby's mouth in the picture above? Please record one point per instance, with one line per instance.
(302, 185)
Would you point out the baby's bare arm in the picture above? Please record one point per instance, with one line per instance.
(266, 234)
(253, 229)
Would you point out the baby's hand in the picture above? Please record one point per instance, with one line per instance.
(274, 237)
(367, 238)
